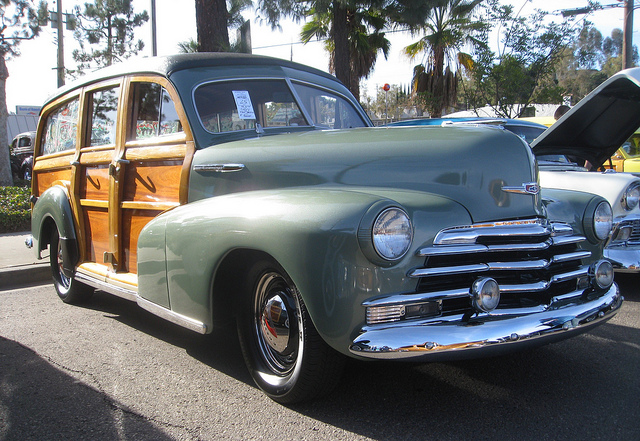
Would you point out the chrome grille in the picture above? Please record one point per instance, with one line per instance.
(533, 261)
(634, 239)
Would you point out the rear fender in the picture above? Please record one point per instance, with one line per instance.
(52, 209)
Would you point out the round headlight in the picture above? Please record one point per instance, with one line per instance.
(601, 274)
(602, 220)
(392, 234)
(631, 197)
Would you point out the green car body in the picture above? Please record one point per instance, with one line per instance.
(307, 200)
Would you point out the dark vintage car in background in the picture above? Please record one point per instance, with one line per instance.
(21, 149)
(574, 154)
(220, 188)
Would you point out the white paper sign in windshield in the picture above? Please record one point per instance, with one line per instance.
(243, 104)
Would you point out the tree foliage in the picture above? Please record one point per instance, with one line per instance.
(213, 20)
(105, 32)
(18, 21)
(365, 36)
(522, 71)
(354, 29)
(447, 27)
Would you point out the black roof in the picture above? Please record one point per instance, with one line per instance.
(166, 65)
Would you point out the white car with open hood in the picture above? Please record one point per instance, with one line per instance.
(571, 154)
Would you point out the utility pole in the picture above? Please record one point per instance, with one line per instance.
(60, 44)
(154, 42)
(627, 41)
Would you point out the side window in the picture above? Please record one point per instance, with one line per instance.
(25, 141)
(154, 112)
(240, 105)
(61, 129)
(104, 112)
(327, 109)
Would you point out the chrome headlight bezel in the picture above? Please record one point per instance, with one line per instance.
(631, 196)
(385, 234)
(598, 220)
(602, 220)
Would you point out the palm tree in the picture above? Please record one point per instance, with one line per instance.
(448, 26)
(365, 40)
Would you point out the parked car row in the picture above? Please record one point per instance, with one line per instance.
(227, 189)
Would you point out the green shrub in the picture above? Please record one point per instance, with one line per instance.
(15, 209)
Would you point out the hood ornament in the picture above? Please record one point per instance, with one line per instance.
(531, 188)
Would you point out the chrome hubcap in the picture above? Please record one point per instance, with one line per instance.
(64, 280)
(276, 324)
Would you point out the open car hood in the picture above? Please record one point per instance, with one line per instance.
(599, 124)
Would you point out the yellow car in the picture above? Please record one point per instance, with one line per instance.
(627, 157)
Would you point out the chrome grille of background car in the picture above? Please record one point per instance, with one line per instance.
(531, 260)
(634, 239)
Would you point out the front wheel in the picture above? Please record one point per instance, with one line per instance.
(68, 289)
(285, 355)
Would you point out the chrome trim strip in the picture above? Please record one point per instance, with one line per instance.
(526, 287)
(527, 265)
(470, 234)
(427, 272)
(117, 291)
(218, 168)
(570, 275)
(442, 339)
(405, 299)
(469, 249)
(173, 317)
(496, 266)
(570, 256)
(561, 229)
(153, 308)
(564, 240)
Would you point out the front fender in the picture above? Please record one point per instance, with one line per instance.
(53, 205)
(311, 233)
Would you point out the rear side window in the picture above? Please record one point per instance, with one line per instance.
(154, 112)
(61, 129)
(104, 112)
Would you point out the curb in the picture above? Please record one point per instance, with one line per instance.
(24, 275)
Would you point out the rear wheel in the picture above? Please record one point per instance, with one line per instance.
(285, 355)
(68, 289)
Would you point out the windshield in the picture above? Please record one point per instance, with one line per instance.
(632, 146)
(227, 106)
(527, 133)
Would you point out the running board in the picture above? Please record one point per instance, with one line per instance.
(153, 308)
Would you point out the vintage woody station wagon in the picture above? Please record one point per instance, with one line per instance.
(214, 187)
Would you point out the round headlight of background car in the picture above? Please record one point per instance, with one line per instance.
(631, 196)
(602, 220)
(392, 233)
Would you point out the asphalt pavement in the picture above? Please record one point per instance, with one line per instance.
(19, 265)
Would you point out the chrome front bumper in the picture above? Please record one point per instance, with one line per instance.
(625, 259)
(489, 334)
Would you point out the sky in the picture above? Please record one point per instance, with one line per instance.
(32, 75)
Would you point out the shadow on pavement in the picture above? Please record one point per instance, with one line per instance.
(39, 401)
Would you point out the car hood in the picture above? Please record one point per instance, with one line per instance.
(610, 186)
(599, 124)
(464, 164)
